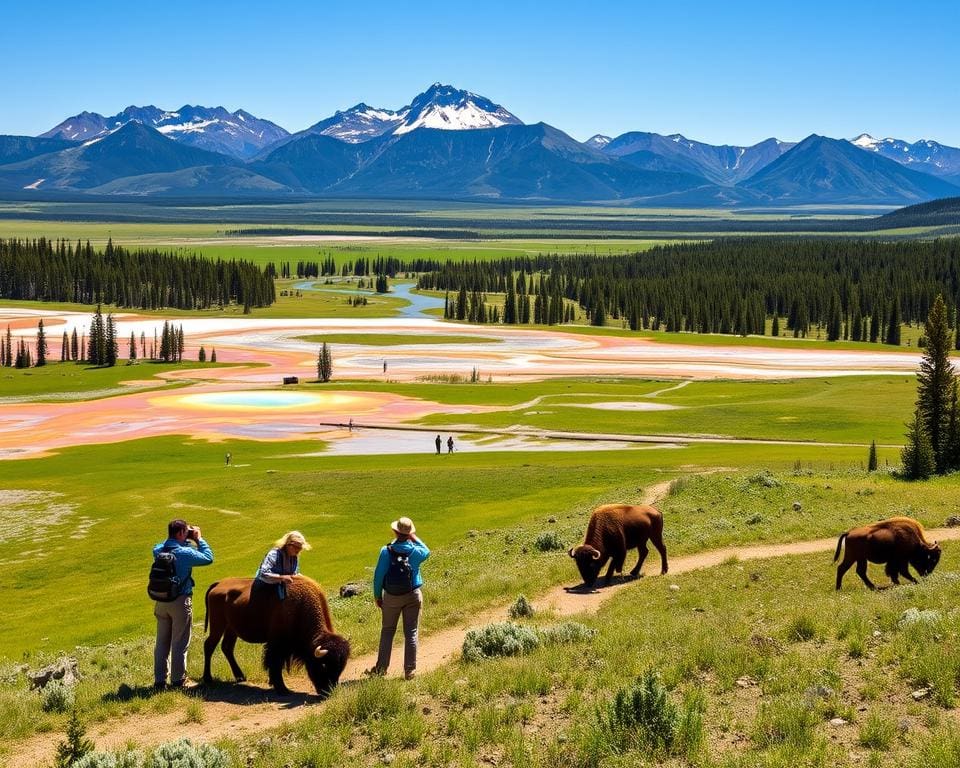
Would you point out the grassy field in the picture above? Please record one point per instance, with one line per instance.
(70, 381)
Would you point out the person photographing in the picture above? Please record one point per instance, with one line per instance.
(171, 586)
(397, 592)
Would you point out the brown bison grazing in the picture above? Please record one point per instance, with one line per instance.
(297, 630)
(614, 529)
(899, 542)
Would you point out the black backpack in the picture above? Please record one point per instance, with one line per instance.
(164, 586)
(399, 577)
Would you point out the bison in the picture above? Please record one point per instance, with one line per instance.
(296, 630)
(613, 529)
(899, 542)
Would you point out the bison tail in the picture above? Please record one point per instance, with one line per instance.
(836, 555)
(206, 606)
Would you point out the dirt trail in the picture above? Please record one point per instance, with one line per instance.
(245, 710)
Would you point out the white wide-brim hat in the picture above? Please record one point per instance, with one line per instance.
(403, 526)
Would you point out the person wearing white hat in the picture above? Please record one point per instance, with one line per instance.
(397, 591)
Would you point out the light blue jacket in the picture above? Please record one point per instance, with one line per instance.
(417, 552)
(187, 557)
(277, 563)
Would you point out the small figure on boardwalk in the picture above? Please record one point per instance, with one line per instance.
(350, 425)
(439, 444)
(450, 444)
(384, 366)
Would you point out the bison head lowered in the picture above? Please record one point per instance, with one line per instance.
(327, 663)
(925, 559)
(589, 562)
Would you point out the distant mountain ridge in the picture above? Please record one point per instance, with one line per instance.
(238, 134)
(453, 144)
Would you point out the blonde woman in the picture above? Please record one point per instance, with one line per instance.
(281, 565)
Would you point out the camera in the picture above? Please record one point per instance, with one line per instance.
(192, 532)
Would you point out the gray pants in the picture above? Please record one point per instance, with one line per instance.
(395, 606)
(174, 624)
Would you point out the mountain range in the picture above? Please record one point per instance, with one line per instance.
(452, 144)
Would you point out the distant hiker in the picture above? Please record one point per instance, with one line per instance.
(281, 565)
(450, 444)
(384, 366)
(396, 590)
(350, 425)
(227, 459)
(439, 444)
(175, 616)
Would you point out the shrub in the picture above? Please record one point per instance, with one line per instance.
(802, 628)
(503, 639)
(640, 717)
(183, 754)
(521, 608)
(56, 697)
(548, 541)
(110, 760)
(564, 633)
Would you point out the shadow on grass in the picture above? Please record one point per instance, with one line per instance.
(229, 693)
(600, 585)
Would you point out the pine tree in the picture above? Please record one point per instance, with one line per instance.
(893, 327)
(74, 346)
(41, 345)
(202, 355)
(180, 344)
(935, 384)
(64, 348)
(834, 319)
(917, 455)
(110, 351)
(776, 326)
(213, 354)
(324, 363)
(75, 746)
(132, 351)
(872, 458)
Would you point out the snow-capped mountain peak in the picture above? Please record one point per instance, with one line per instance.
(865, 141)
(451, 109)
(440, 106)
(239, 133)
(598, 141)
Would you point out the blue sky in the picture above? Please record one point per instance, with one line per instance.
(734, 72)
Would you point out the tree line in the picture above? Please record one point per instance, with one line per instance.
(59, 270)
(862, 290)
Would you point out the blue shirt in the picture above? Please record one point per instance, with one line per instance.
(277, 563)
(416, 551)
(187, 557)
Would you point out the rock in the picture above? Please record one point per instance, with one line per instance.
(920, 693)
(952, 522)
(551, 519)
(352, 589)
(837, 722)
(903, 725)
(877, 633)
(797, 506)
(674, 587)
(64, 669)
(388, 758)
(746, 681)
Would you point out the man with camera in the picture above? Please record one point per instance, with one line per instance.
(175, 617)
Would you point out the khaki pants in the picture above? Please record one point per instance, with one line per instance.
(394, 606)
(174, 624)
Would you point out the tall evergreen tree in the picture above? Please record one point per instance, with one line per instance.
(202, 355)
(74, 346)
(893, 325)
(324, 363)
(41, 345)
(213, 354)
(872, 457)
(75, 746)
(132, 348)
(917, 454)
(110, 350)
(775, 331)
(935, 384)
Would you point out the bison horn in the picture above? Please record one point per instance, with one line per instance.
(320, 652)
(596, 555)
(570, 552)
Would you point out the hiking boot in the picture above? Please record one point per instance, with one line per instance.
(185, 685)
(375, 672)
(409, 675)
(158, 687)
